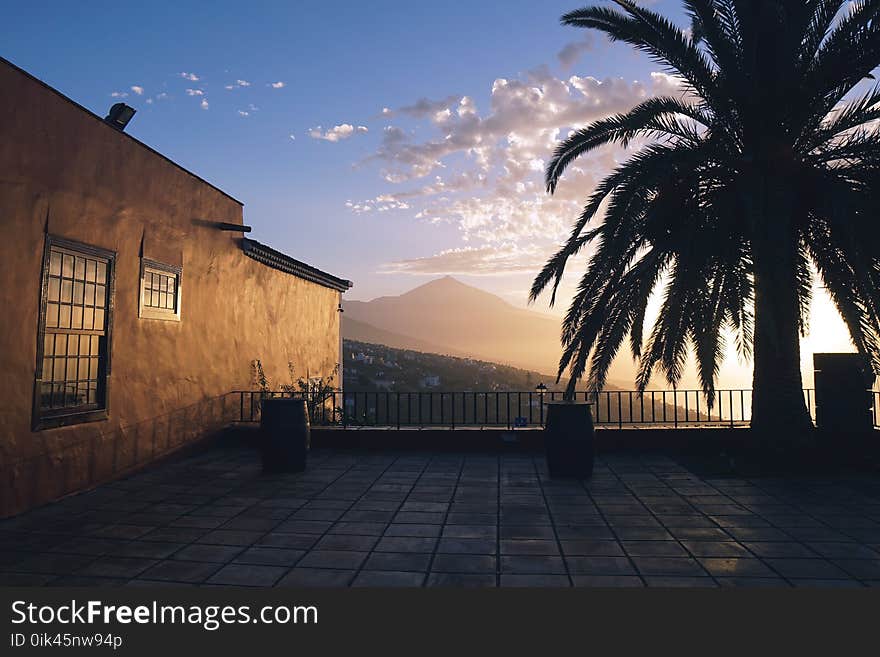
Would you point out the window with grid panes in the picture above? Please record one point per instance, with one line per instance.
(160, 291)
(72, 376)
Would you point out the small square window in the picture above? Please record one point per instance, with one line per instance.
(159, 291)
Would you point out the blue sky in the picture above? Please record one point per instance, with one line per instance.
(340, 65)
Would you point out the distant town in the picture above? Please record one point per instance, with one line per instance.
(374, 367)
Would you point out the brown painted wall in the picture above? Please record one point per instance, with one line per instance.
(63, 171)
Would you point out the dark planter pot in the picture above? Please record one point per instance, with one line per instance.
(569, 439)
(285, 434)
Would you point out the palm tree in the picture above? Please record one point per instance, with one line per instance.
(764, 170)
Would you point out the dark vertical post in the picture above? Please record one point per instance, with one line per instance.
(675, 406)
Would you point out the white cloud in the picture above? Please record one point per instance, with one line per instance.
(195, 92)
(276, 85)
(292, 137)
(138, 90)
(119, 94)
(243, 113)
(428, 108)
(337, 133)
(487, 167)
(571, 52)
(474, 261)
(149, 101)
(237, 84)
(204, 104)
(192, 77)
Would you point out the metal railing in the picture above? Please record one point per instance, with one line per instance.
(519, 409)
(875, 397)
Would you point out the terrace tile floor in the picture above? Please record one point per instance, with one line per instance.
(413, 519)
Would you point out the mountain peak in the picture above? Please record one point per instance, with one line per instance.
(449, 289)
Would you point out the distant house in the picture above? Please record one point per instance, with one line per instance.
(383, 384)
(430, 381)
(134, 303)
(363, 358)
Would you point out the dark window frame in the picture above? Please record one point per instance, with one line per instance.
(152, 312)
(48, 419)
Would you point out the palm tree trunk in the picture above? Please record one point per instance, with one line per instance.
(779, 411)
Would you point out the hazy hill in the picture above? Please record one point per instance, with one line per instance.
(457, 319)
(353, 329)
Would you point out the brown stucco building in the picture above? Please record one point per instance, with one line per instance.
(132, 303)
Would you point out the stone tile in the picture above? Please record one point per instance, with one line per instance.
(529, 547)
(89, 581)
(671, 566)
(174, 535)
(367, 516)
(347, 542)
(533, 565)
(780, 549)
(463, 563)
(527, 531)
(806, 568)
(51, 564)
(416, 530)
(747, 534)
(589, 547)
(291, 541)
(388, 578)
(460, 580)
(535, 581)
(582, 532)
(358, 528)
(680, 582)
(252, 524)
(25, 579)
(654, 549)
(605, 566)
(405, 544)
(91, 546)
(122, 531)
(267, 556)
(744, 567)
(753, 582)
(470, 531)
(209, 553)
(121, 567)
(316, 577)
(419, 517)
(148, 549)
(607, 581)
(325, 514)
(247, 575)
(335, 559)
(467, 546)
(729, 549)
(844, 550)
(642, 534)
(699, 534)
(197, 522)
(860, 568)
(231, 537)
(825, 583)
(398, 561)
(180, 571)
(305, 527)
